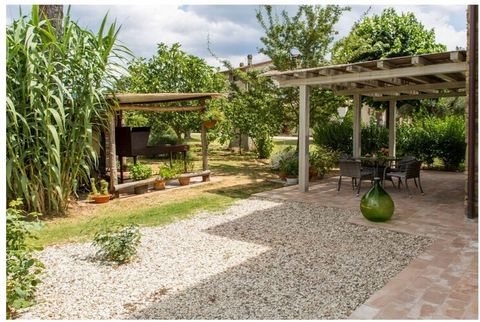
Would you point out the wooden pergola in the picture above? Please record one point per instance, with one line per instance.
(392, 80)
(146, 102)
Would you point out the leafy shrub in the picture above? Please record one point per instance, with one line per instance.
(117, 245)
(162, 136)
(374, 137)
(140, 172)
(451, 142)
(286, 153)
(23, 269)
(334, 135)
(323, 160)
(166, 172)
(264, 147)
(434, 137)
(290, 166)
(338, 136)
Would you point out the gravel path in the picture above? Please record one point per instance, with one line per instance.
(259, 259)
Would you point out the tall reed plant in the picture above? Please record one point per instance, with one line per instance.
(56, 99)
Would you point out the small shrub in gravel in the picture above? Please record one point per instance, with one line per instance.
(119, 244)
(23, 269)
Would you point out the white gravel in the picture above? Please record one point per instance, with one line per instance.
(260, 259)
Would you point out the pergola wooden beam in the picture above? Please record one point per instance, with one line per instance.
(418, 87)
(159, 109)
(444, 68)
(418, 97)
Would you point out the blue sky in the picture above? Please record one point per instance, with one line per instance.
(233, 29)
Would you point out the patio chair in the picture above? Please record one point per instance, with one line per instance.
(410, 170)
(353, 169)
(400, 166)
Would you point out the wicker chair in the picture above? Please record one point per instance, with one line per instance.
(409, 170)
(400, 166)
(353, 169)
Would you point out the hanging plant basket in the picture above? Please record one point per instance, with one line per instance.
(209, 124)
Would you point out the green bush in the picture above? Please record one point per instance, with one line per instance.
(323, 160)
(162, 137)
(117, 245)
(140, 171)
(374, 138)
(451, 142)
(23, 269)
(277, 158)
(338, 136)
(290, 166)
(334, 135)
(434, 137)
(264, 147)
(166, 172)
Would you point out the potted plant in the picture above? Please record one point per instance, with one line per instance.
(290, 167)
(211, 117)
(140, 172)
(184, 179)
(164, 174)
(104, 195)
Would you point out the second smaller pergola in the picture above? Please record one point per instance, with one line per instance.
(393, 79)
(146, 102)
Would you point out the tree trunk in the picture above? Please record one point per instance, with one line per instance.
(54, 13)
(179, 136)
(188, 135)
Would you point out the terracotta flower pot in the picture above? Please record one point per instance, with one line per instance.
(159, 184)
(184, 181)
(141, 189)
(100, 198)
(209, 124)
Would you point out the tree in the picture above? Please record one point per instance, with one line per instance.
(253, 110)
(53, 13)
(382, 36)
(301, 41)
(386, 35)
(172, 70)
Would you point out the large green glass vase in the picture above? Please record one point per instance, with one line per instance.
(376, 204)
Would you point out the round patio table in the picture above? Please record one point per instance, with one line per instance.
(376, 163)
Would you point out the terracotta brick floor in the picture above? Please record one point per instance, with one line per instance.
(442, 283)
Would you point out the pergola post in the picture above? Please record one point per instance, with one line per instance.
(203, 138)
(392, 127)
(113, 153)
(357, 125)
(303, 130)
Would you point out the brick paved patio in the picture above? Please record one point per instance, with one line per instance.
(442, 283)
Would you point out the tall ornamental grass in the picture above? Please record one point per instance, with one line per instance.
(56, 98)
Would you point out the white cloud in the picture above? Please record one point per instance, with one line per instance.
(233, 37)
